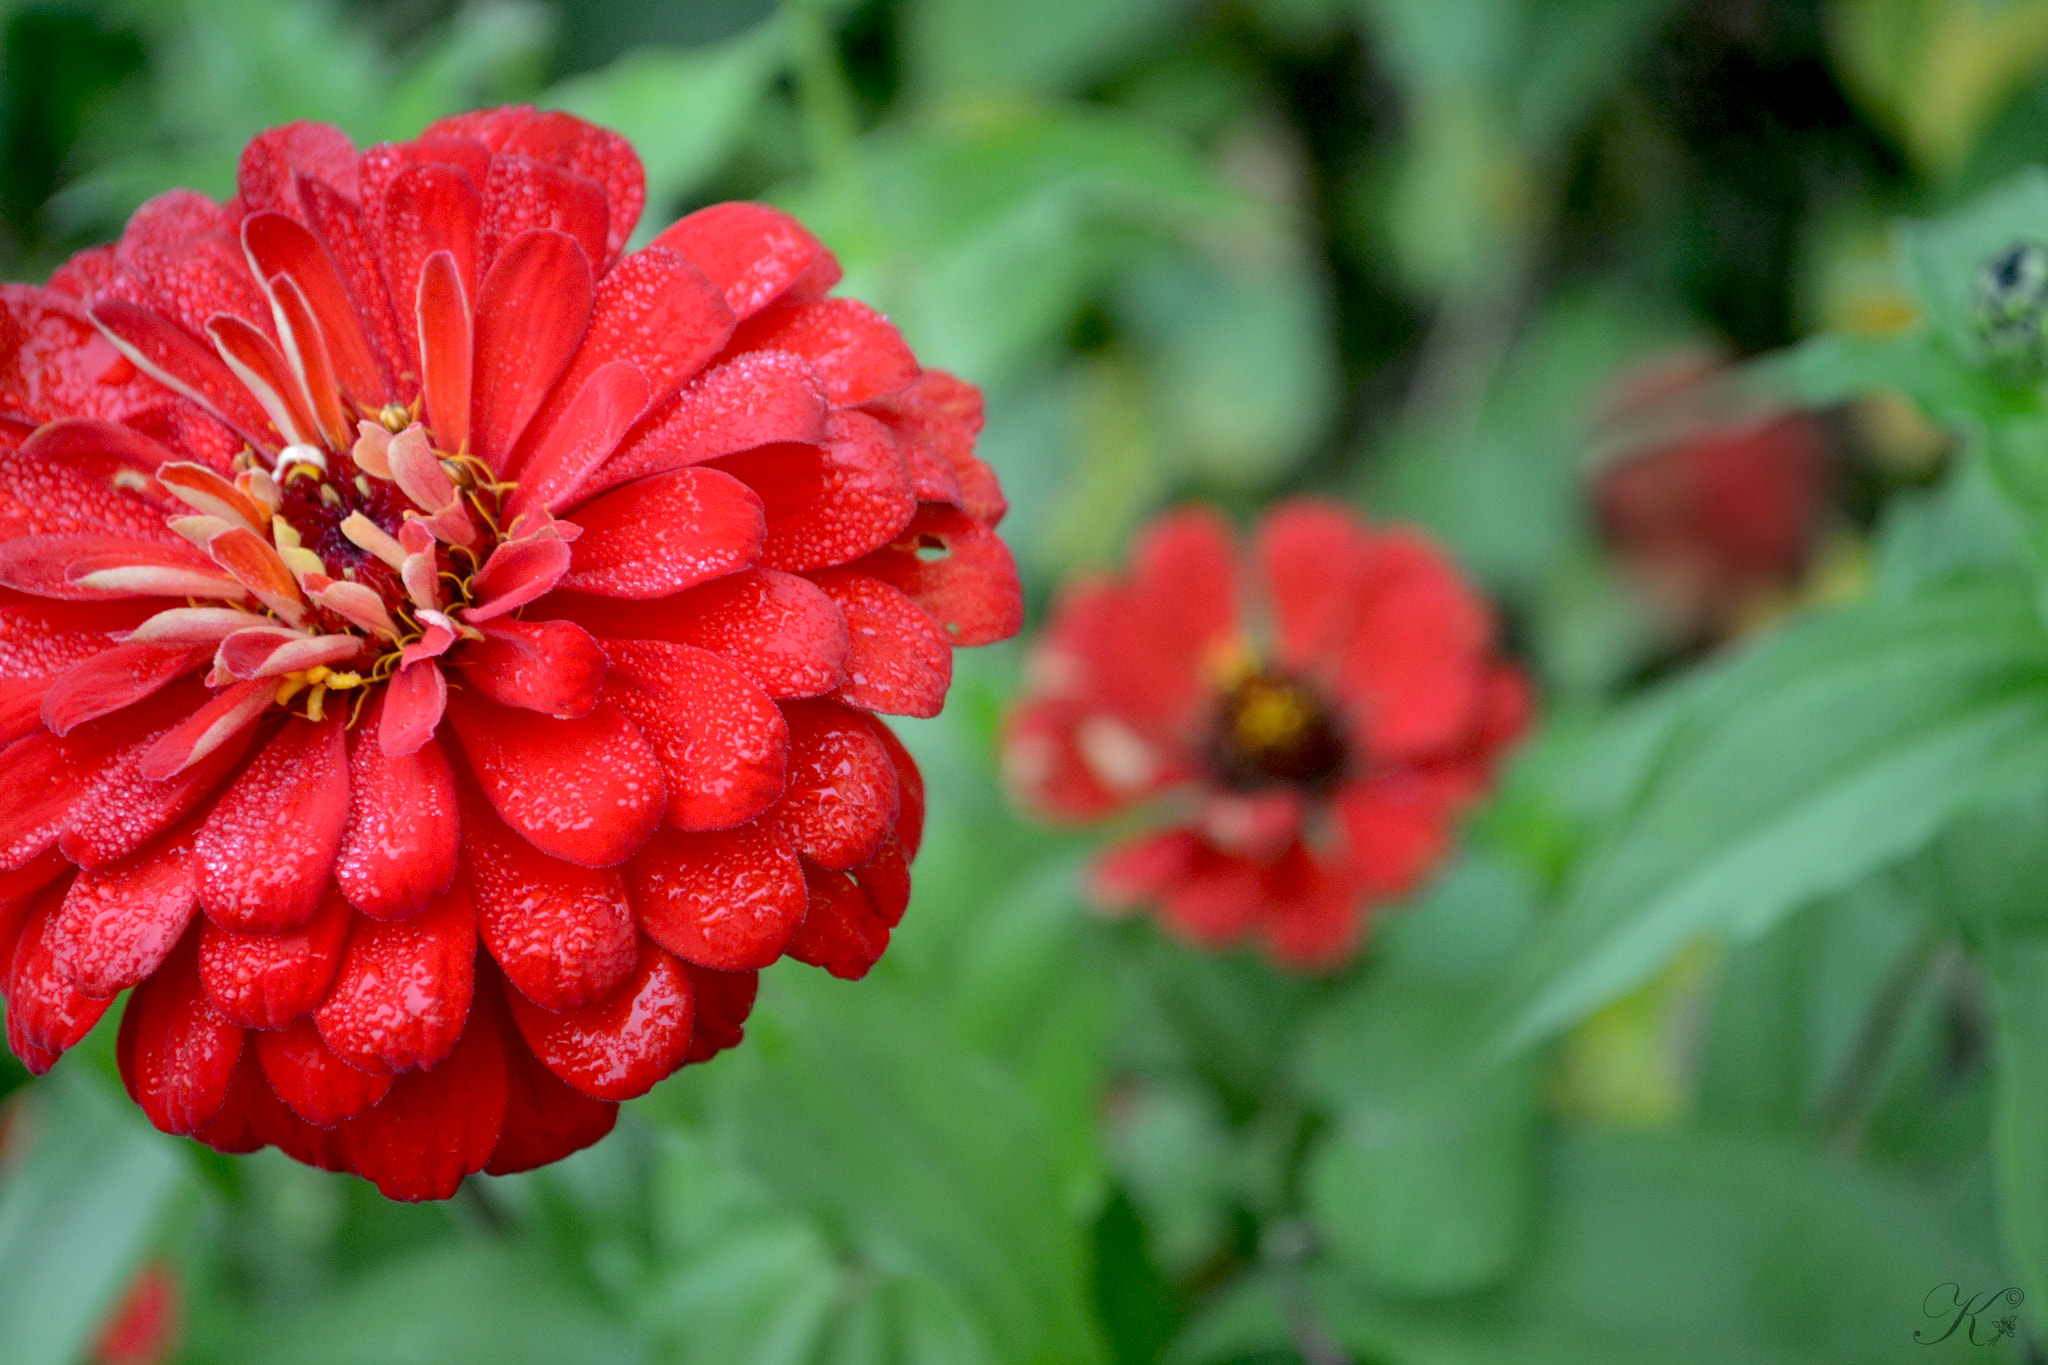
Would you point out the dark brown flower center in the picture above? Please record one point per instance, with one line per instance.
(1275, 732)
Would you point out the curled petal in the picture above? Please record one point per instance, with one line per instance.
(264, 981)
(318, 1086)
(177, 1053)
(588, 791)
(519, 572)
(399, 849)
(402, 993)
(617, 1048)
(267, 850)
(728, 900)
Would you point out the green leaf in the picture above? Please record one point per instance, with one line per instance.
(1945, 258)
(1240, 357)
(1430, 1197)
(973, 48)
(850, 1106)
(1668, 1249)
(1834, 748)
(75, 1217)
(2018, 970)
(464, 1304)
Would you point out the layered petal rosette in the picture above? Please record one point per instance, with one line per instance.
(1305, 722)
(440, 652)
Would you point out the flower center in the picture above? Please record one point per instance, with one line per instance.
(1272, 731)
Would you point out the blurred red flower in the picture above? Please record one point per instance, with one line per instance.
(439, 651)
(143, 1328)
(1711, 504)
(1310, 721)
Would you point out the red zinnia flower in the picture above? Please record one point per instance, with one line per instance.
(438, 653)
(1711, 504)
(1312, 720)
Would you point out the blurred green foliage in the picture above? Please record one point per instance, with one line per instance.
(1387, 250)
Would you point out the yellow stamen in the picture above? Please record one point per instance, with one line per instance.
(1271, 717)
(322, 680)
(396, 417)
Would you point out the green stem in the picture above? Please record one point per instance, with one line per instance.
(1847, 1107)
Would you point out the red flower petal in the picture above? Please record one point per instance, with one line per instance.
(177, 1053)
(427, 208)
(1313, 921)
(857, 353)
(521, 194)
(266, 851)
(842, 931)
(588, 791)
(398, 851)
(1143, 869)
(1398, 829)
(886, 882)
(898, 662)
(656, 310)
(46, 1015)
(664, 534)
(223, 726)
(1414, 660)
(318, 1086)
(113, 679)
(67, 480)
(942, 415)
(266, 175)
(563, 934)
(340, 227)
(753, 400)
(909, 788)
(118, 924)
(970, 588)
(841, 802)
(182, 364)
(546, 1118)
(721, 741)
(280, 245)
(447, 326)
(751, 252)
(45, 780)
(832, 503)
(126, 809)
(727, 900)
(531, 316)
(617, 1048)
(1217, 900)
(559, 139)
(1045, 766)
(516, 573)
(414, 700)
(403, 988)
(435, 1127)
(721, 1002)
(264, 981)
(780, 630)
(553, 667)
(589, 429)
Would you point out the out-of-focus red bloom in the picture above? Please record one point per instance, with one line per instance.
(143, 1328)
(1711, 505)
(439, 653)
(1310, 720)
